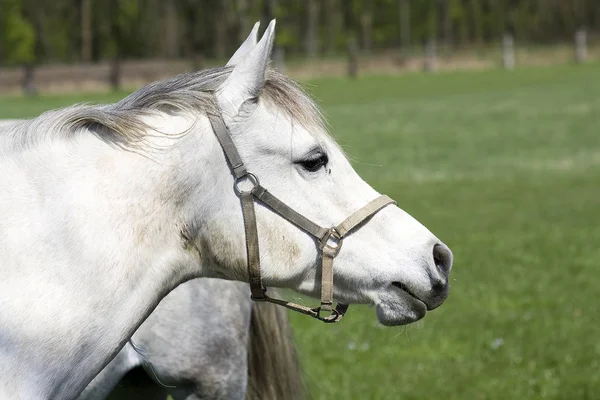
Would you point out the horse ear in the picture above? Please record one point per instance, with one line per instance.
(248, 76)
(245, 48)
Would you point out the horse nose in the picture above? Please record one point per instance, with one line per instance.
(442, 258)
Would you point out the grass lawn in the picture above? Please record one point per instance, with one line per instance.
(505, 168)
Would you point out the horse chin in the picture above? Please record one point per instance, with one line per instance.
(394, 310)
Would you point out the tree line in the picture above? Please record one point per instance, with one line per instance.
(47, 31)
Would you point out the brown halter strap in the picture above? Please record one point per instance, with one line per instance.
(329, 239)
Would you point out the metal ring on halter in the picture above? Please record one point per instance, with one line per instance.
(248, 176)
(333, 317)
(332, 236)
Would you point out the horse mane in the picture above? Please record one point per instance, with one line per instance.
(123, 123)
(274, 369)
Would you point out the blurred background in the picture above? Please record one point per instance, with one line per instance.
(93, 44)
(480, 117)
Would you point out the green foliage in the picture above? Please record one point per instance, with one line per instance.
(51, 30)
(287, 30)
(58, 29)
(17, 34)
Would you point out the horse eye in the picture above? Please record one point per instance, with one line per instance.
(315, 163)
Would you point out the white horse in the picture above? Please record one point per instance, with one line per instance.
(206, 340)
(106, 209)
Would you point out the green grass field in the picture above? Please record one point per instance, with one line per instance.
(505, 168)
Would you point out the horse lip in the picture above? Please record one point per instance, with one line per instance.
(405, 289)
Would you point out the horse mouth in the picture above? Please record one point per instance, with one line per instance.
(406, 290)
(401, 307)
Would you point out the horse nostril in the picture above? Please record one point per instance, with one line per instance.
(442, 257)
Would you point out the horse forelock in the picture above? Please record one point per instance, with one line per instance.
(124, 122)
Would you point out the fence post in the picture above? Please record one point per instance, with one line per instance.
(114, 75)
(429, 61)
(29, 88)
(352, 57)
(279, 58)
(580, 46)
(197, 61)
(508, 51)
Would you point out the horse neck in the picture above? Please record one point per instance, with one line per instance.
(89, 248)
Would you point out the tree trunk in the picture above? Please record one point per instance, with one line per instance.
(243, 20)
(404, 24)
(446, 22)
(193, 21)
(312, 16)
(331, 24)
(497, 9)
(477, 21)
(171, 47)
(270, 9)
(1, 32)
(366, 24)
(40, 46)
(278, 51)
(433, 23)
(86, 30)
(117, 37)
(349, 20)
(220, 30)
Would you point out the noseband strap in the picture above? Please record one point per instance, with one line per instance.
(329, 240)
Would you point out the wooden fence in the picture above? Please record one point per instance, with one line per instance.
(101, 76)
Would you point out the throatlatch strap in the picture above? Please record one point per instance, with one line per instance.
(224, 138)
(252, 249)
(335, 315)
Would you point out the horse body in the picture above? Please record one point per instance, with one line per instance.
(211, 362)
(61, 249)
(192, 352)
(199, 343)
(106, 209)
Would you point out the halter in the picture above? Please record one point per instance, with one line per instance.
(329, 239)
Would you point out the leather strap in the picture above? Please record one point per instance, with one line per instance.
(287, 212)
(363, 214)
(252, 250)
(335, 316)
(327, 278)
(224, 138)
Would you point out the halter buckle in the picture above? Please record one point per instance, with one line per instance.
(263, 298)
(332, 241)
(248, 176)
